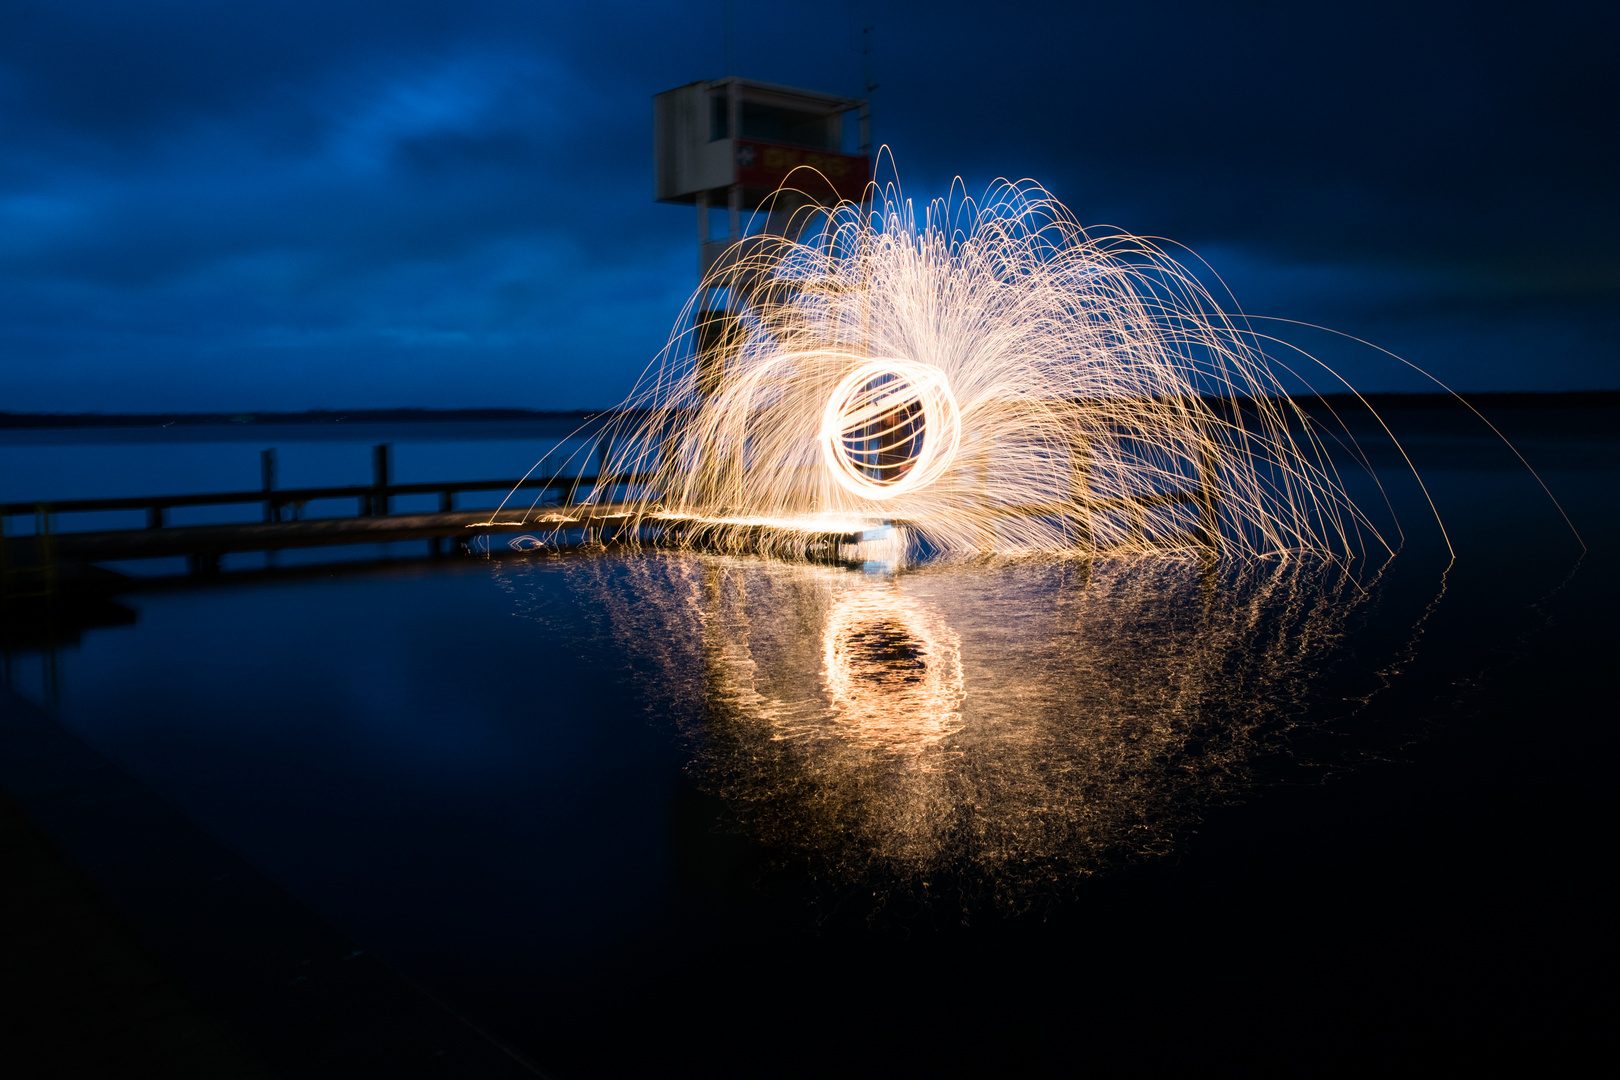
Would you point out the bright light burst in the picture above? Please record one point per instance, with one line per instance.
(986, 374)
(891, 426)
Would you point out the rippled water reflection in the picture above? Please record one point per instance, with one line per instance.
(1008, 720)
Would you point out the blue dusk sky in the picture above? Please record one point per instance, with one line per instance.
(289, 205)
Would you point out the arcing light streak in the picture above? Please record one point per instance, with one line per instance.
(987, 373)
(891, 426)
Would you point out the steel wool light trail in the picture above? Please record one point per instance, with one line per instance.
(987, 375)
(891, 426)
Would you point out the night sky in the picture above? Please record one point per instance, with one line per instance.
(221, 206)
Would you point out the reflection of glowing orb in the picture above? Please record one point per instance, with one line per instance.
(893, 670)
(891, 426)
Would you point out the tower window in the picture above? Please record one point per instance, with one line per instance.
(719, 117)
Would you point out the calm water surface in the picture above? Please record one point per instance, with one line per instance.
(763, 818)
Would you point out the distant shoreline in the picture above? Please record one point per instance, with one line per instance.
(1575, 399)
(27, 420)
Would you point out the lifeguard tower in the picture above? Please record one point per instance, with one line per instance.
(730, 143)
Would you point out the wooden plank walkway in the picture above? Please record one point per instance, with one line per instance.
(310, 532)
(60, 553)
(49, 560)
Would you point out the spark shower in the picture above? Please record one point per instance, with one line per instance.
(984, 375)
(980, 376)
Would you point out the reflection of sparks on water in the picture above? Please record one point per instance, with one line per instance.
(1013, 721)
(893, 670)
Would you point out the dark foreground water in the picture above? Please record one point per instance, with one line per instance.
(639, 810)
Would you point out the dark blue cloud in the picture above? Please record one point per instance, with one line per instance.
(289, 205)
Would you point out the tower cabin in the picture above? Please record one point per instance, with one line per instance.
(727, 146)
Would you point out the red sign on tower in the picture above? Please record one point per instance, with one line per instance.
(771, 165)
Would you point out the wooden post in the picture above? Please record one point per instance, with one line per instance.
(1138, 518)
(45, 550)
(733, 133)
(1208, 493)
(380, 480)
(702, 226)
(154, 516)
(570, 489)
(267, 482)
(1080, 483)
(987, 542)
(5, 576)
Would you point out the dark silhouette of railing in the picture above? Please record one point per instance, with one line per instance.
(32, 563)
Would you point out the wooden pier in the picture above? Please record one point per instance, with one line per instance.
(46, 560)
(40, 565)
(208, 542)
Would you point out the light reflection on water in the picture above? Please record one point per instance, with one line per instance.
(1013, 721)
(891, 670)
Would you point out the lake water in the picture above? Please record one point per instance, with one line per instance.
(730, 815)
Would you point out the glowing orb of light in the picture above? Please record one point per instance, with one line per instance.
(890, 426)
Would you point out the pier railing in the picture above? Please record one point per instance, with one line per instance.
(32, 565)
(287, 503)
(280, 504)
